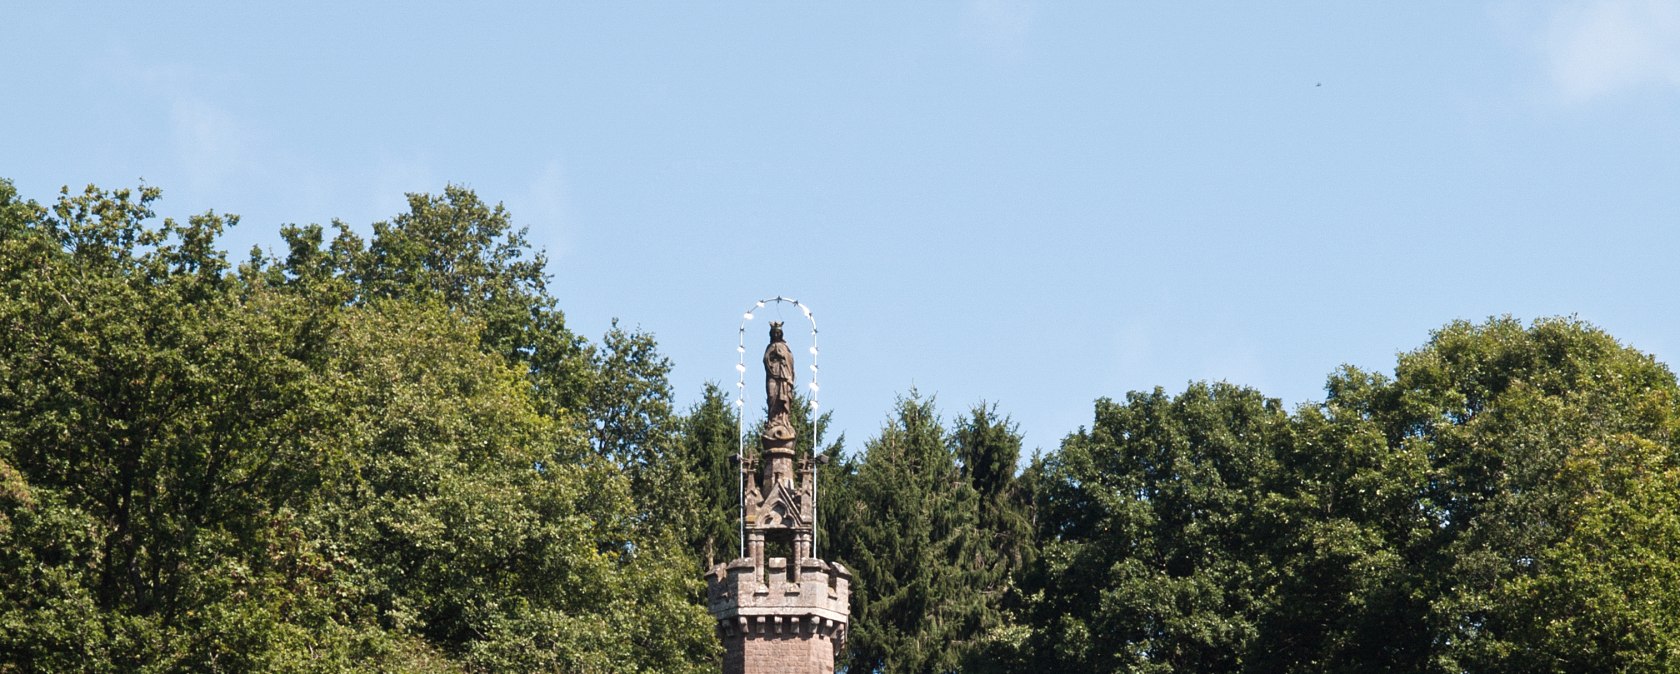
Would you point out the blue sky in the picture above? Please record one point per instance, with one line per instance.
(1030, 204)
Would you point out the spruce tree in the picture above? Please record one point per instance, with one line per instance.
(911, 537)
(988, 449)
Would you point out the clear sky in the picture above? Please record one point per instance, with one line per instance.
(1031, 204)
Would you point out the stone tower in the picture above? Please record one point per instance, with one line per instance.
(779, 609)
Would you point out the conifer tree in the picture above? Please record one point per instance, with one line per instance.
(708, 446)
(910, 532)
(988, 449)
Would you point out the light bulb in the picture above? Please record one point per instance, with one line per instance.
(740, 367)
(813, 351)
(740, 348)
(759, 304)
(813, 386)
(813, 367)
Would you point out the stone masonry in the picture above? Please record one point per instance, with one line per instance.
(779, 615)
(779, 618)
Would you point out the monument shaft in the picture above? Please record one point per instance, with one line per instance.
(778, 608)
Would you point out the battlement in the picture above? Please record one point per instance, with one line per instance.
(812, 587)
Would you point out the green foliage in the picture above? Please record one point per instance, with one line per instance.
(629, 404)
(1346, 506)
(708, 444)
(988, 449)
(455, 250)
(1494, 506)
(354, 460)
(1425, 511)
(910, 533)
(170, 410)
(390, 454)
(1607, 597)
(1505, 414)
(1151, 527)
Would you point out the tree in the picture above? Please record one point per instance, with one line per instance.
(487, 527)
(391, 455)
(709, 443)
(1503, 411)
(834, 474)
(456, 250)
(1151, 534)
(1422, 515)
(988, 448)
(1345, 510)
(312, 465)
(1607, 597)
(630, 409)
(909, 532)
(162, 418)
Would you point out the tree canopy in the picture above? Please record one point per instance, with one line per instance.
(392, 453)
(359, 455)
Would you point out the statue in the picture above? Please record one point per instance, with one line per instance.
(778, 386)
